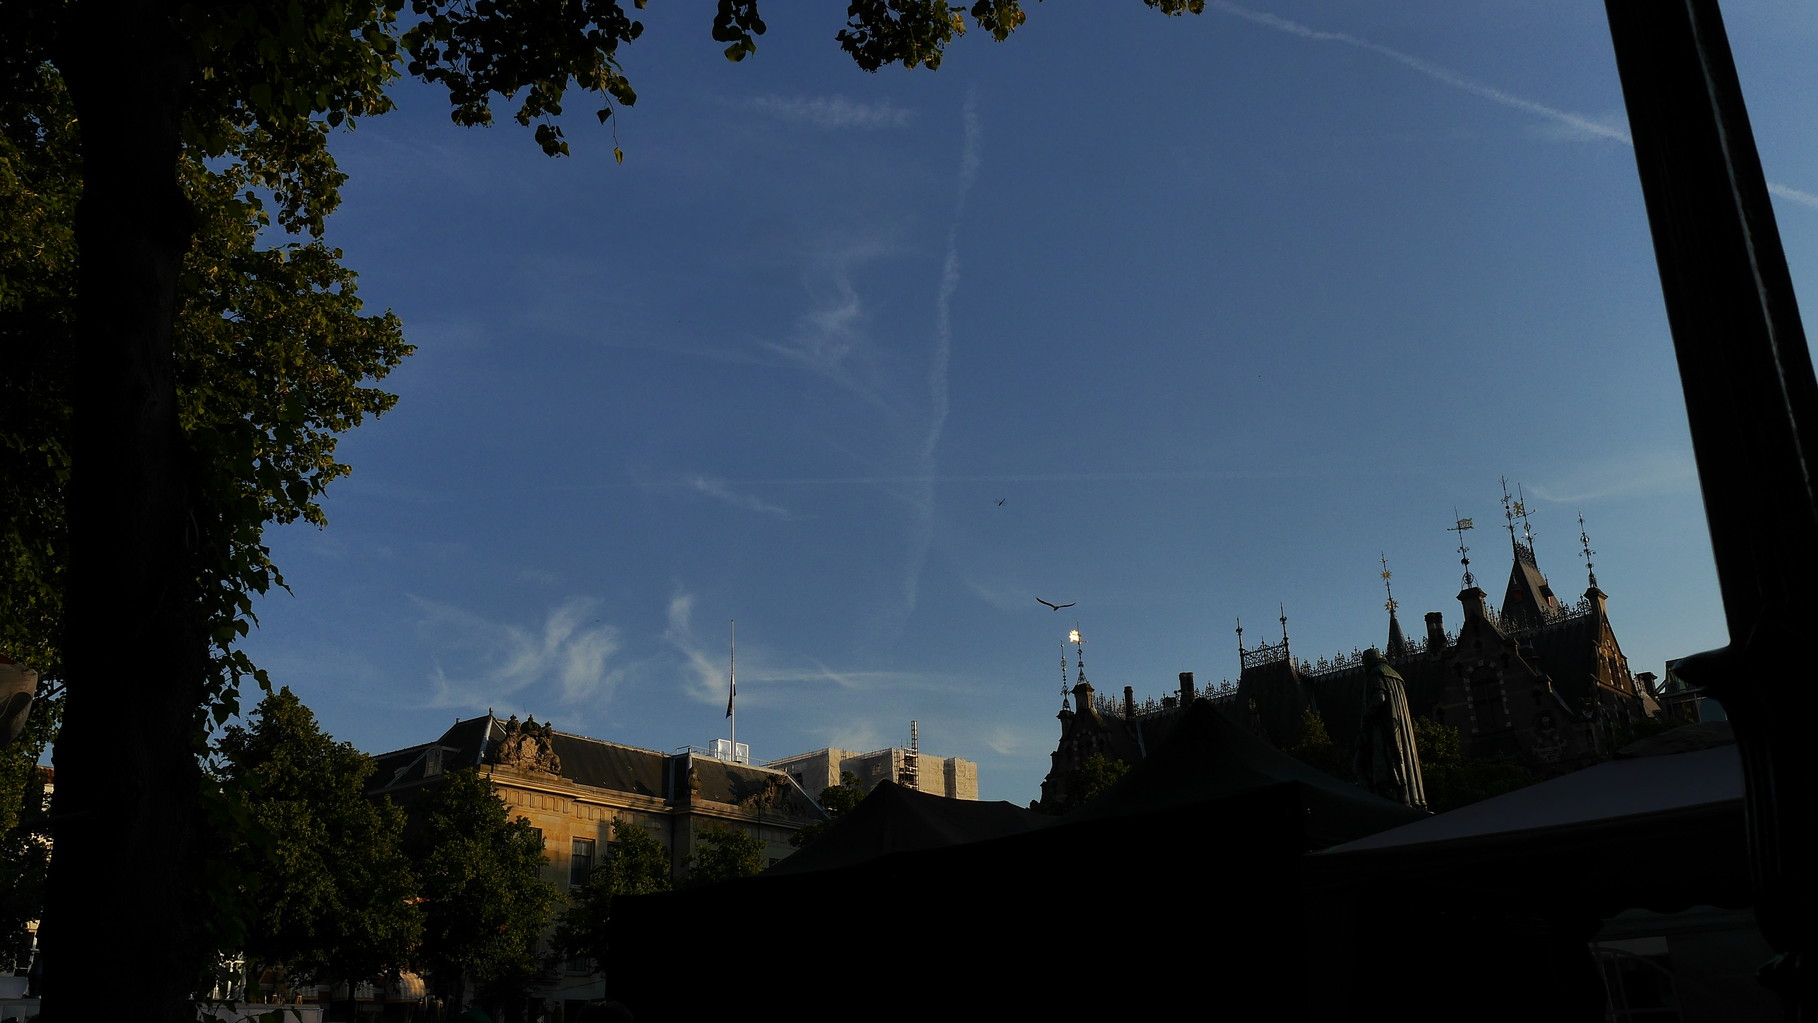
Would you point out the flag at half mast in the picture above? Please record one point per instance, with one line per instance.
(732, 673)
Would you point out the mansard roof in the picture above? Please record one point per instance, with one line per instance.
(593, 763)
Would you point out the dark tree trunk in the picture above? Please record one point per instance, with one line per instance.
(123, 884)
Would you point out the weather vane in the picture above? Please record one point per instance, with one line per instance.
(1079, 645)
(1513, 508)
(1464, 553)
(1585, 539)
(1521, 509)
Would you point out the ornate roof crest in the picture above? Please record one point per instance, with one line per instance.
(528, 747)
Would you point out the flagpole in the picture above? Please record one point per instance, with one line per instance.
(732, 686)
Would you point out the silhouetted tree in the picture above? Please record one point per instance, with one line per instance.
(332, 896)
(1453, 781)
(1316, 749)
(723, 853)
(837, 801)
(480, 876)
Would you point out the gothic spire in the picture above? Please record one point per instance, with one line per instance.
(1398, 644)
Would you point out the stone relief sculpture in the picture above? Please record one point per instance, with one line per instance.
(1387, 762)
(529, 747)
(773, 796)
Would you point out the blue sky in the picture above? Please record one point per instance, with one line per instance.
(1221, 309)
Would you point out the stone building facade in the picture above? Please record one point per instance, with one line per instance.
(574, 789)
(953, 777)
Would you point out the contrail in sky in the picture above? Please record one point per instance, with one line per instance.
(950, 279)
(1457, 81)
(923, 534)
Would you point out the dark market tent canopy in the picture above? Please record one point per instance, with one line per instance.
(1655, 831)
(1180, 866)
(895, 819)
(1502, 896)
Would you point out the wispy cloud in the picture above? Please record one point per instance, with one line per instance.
(1003, 599)
(1274, 472)
(1644, 474)
(719, 491)
(830, 113)
(832, 338)
(1577, 125)
(761, 674)
(866, 681)
(852, 735)
(703, 674)
(506, 666)
(1006, 742)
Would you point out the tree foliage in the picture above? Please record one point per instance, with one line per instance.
(1097, 774)
(723, 853)
(333, 896)
(635, 864)
(24, 850)
(836, 801)
(1315, 747)
(273, 355)
(1451, 780)
(1093, 776)
(480, 876)
(24, 863)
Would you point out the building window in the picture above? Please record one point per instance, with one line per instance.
(580, 861)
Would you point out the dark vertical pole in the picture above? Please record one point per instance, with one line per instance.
(1752, 402)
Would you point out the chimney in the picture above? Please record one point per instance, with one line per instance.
(1473, 600)
(1436, 631)
(1646, 678)
(1187, 692)
(1129, 703)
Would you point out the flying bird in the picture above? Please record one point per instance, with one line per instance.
(1000, 504)
(1056, 607)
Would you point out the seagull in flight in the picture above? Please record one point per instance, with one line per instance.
(1001, 500)
(1056, 607)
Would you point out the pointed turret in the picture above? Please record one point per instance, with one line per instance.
(1529, 600)
(1397, 646)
